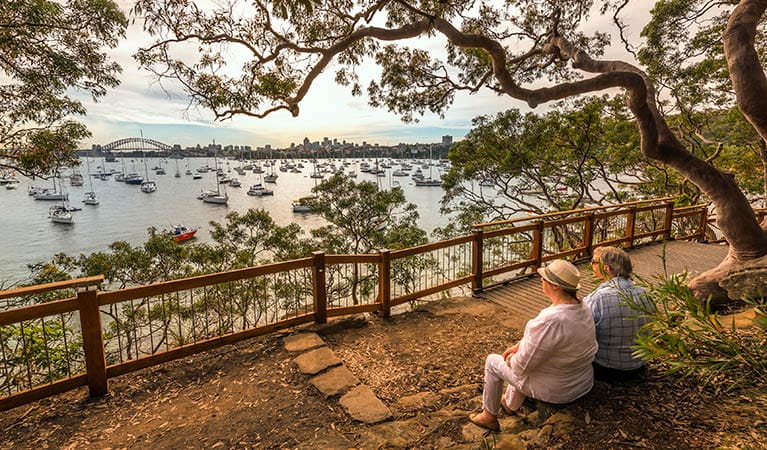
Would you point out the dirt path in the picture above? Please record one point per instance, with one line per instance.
(251, 395)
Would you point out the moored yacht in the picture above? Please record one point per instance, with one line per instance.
(258, 190)
(148, 187)
(60, 214)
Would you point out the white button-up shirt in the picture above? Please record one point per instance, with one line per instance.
(553, 362)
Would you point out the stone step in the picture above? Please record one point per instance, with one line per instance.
(317, 360)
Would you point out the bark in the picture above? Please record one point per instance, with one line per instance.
(763, 158)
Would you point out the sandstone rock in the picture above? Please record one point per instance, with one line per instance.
(511, 442)
(463, 389)
(400, 434)
(335, 381)
(302, 341)
(561, 420)
(418, 400)
(315, 361)
(514, 424)
(363, 405)
(528, 435)
(533, 417)
(327, 439)
(747, 280)
(474, 433)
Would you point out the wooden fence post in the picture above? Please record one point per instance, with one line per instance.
(631, 225)
(703, 224)
(537, 253)
(384, 282)
(668, 220)
(588, 235)
(319, 290)
(93, 341)
(477, 250)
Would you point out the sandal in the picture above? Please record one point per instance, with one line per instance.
(492, 426)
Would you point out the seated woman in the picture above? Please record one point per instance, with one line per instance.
(552, 362)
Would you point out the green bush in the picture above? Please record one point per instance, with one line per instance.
(688, 340)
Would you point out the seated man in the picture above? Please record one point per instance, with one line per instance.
(552, 362)
(616, 324)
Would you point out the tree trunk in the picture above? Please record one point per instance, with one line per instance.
(763, 158)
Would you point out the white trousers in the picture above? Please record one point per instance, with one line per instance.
(496, 372)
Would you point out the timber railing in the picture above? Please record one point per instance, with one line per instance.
(78, 335)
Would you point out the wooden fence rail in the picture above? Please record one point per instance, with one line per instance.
(515, 247)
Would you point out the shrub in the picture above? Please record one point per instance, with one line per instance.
(688, 340)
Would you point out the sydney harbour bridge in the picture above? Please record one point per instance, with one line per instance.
(136, 144)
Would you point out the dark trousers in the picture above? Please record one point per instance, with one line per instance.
(609, 375)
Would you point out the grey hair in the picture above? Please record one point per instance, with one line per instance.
(616, 258)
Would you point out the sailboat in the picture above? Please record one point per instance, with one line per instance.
(147, 186)
(90, 197)
(272, 176)
(216, 198)
(121, 176)
(51, 194)
(428, 181)
(61, 213)
(178, 172)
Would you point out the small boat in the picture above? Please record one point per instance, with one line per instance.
(90, 198)
(197, 176)
(51, 195)
(216, 198)
(271, 178)
(120, 177)
(32, 190)
(188, 172)
(235, 183)
(12, 185)
(148, 187)
(399, 173)
(300, 207)
(352, 174)
(76, 179)
(180, 233)
(60, 214)
(133, 178)
(204, 194)
(487, 183)
(258, 190)
(427, 182)
(160, 171)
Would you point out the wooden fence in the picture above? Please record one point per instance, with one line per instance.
(84, 336)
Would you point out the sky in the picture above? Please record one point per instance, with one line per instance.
(140, 105)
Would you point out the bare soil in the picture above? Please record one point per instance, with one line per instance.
(251, 395)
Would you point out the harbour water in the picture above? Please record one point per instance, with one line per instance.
(125, 213)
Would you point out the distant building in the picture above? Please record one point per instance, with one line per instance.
(447, 141)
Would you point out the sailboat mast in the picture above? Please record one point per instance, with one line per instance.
(143, 155)
(215, 164)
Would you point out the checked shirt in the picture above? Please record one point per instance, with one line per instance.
(615, 323)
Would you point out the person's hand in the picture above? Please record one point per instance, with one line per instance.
(510, 351)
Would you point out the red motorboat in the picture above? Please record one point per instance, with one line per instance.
(180, 233)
